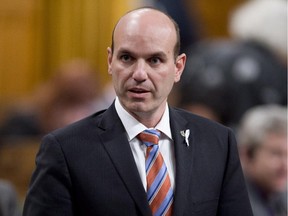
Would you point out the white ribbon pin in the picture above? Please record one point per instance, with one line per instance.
(186, 135)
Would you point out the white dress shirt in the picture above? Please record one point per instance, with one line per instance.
(134, 127)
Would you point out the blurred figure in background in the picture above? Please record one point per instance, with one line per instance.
(73, 92)
(262, 140)
(70, 95)
(182, 14)
(9, 203)
(263, 23)
(224, 78)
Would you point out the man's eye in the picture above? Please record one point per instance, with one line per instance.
(155, 60)
(125, 58)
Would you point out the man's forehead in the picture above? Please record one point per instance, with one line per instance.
(145, 43)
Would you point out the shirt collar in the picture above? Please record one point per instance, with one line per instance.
(133, 127)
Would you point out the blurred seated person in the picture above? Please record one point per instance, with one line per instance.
(262, 23)
(262, 140)
(9, 203)
(70, 95)
(225, 77)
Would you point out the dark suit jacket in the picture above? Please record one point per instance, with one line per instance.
(88, 169)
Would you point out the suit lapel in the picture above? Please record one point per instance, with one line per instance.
(184, 159)
(117, 146)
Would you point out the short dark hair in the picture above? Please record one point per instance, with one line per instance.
(177, 30)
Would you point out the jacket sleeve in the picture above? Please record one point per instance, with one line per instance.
(49, 192)
(234, 198)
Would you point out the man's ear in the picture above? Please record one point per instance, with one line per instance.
(179, 66)
(109, 59)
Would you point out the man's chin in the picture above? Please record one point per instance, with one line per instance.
(139, 107)
(135, 105)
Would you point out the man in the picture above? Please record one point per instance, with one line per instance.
(263, 151)
(9, 203)
(97, 166)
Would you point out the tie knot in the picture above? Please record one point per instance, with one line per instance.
(149, 137)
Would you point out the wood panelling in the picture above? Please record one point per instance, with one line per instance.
(19, 45)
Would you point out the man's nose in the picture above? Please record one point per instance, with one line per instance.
(140, 71)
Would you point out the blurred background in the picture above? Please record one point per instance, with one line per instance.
(38, 35)
(53, 68)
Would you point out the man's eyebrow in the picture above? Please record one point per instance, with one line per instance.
(152, 54)
(123, 50)
(159, 54)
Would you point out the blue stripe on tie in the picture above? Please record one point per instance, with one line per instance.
(157, 181)
(148, 144)
(153, 132)
(165, 203)
(151, 158)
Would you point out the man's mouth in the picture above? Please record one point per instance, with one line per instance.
(138, 90)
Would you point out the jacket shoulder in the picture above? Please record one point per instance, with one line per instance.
(194, 119)
(83, 126)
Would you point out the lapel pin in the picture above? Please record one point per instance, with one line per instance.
(186, 135)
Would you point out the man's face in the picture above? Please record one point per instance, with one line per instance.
(269, 166)
(142, 65)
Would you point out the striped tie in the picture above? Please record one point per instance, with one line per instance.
(159, 190)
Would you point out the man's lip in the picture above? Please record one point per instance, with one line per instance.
(138, 90)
